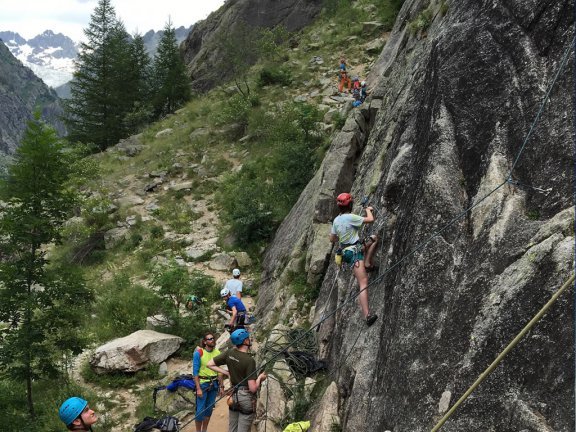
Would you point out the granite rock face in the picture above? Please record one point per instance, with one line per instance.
(451, 107)
(201, 53)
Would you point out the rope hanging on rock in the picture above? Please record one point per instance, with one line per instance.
(501, 356)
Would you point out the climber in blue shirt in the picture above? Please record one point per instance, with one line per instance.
(238, 309)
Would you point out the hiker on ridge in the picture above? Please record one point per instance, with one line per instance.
(245, 382)
(235, 284)
(77, 415)
(208, 382)
(345, 230)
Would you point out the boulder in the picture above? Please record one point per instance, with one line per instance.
(243, 260)
(114, 236)
(134, 352)
(222, 262)
(129, 201)
(164, 133)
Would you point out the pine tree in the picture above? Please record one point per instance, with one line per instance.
(98, 102)
(140, 77)
(172, 85)
(42, 305)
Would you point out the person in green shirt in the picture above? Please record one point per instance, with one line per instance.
(242, 373)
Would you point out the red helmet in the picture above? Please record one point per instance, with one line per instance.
(344, 199)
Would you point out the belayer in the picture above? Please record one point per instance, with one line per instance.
(356, 253)
(242, 373)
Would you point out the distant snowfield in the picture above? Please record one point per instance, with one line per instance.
(48, 65)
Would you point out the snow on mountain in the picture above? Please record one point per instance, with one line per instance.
(49, 55)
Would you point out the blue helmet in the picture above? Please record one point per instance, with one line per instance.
(71, 409)
(239, 336)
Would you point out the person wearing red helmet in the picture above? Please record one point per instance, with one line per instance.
(345, 230)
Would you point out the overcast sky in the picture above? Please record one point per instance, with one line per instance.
(32, 17)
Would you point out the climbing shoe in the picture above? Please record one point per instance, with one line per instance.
(371, 319)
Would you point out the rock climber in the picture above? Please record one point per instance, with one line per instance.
(237, 308)
(345, 231)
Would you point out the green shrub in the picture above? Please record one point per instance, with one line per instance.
(247, 203)
(235, 110)
(421, 22)
(271, 75)
(122, 308)
(156, 231)
(302, 290)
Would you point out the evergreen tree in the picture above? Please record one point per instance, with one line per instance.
(101, 88)
(41, 305)
(140, 77)
(172, 85)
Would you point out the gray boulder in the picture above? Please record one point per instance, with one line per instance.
(134, 352)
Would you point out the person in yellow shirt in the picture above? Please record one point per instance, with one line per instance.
(208, 383)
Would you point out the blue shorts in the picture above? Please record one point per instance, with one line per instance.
(205, 404)
(352, 254)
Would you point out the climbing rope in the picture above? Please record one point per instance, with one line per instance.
(501, 356)
(434, 234)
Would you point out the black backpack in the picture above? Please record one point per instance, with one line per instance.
(146, 425)
(165, 424)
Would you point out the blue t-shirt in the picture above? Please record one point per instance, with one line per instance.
(346, 226)
(235, 301)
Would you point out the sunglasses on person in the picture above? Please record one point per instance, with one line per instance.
(209, 339)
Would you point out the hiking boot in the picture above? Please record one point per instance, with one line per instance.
(371, 319)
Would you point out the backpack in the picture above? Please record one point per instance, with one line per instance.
(168, 424)
(146, 425)
(165, 424)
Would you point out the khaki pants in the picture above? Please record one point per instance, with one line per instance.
(237, 421)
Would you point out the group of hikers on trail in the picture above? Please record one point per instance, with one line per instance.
(207, 360)
(353, 85)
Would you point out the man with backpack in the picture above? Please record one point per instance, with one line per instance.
(208, 383)
(242, 373)
(77, 415)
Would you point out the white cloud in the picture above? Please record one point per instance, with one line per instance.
(32, 17)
